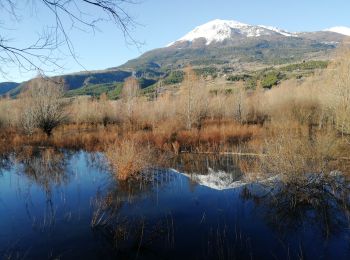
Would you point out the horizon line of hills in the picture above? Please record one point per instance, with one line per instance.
(220, 47)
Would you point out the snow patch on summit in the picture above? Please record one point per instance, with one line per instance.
(280, 31)
(220, 30)
(339, 29)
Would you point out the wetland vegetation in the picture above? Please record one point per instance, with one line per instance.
(192, 171)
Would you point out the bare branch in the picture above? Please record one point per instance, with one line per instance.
(68, 15)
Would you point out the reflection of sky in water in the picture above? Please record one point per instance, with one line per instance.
(176, 215)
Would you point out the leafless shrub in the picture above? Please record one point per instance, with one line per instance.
(4, 109)
(292, 154)
(93, 111)
(128, 158)
(42, 106)
(193, 100)
(337, 89)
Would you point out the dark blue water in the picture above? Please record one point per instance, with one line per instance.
(69, 206)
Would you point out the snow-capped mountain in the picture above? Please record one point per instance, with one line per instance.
(217, 31)
(222, 42)
(339, 29)
(220, 30)
(218, 44)
(279, 31)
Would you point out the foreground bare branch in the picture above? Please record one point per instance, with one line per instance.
(68, 15)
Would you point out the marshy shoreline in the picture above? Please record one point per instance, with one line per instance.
(135, 204)
(74, 205)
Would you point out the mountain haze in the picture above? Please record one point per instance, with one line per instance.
(5, 87)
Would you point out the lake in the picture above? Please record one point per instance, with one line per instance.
(68, 205)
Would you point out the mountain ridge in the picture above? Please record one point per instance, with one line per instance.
(340, 29)
(219, 30)
(220, 43)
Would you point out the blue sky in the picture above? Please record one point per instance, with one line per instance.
(163, 21)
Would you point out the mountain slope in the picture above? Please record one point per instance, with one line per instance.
(83, 80)
(269, 50)
(222, 42)
(221, 45)
(7, 86)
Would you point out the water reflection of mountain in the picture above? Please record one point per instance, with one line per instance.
(215, 172)
(167, 214)
(217, 180)
(202, 209)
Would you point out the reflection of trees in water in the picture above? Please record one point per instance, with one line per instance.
(6, 162)
(133, 190)
(120, 219)
(201, 163)
(96, 160)
(111, 220)
(322, 201)
(45, 167)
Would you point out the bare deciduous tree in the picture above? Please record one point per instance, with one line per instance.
(66, 15)
(341, 91)
(238, 104)
(334, 86)
(129, 94)
(195, 98)
(43, 105)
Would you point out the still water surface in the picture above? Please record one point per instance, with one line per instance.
(67, 205)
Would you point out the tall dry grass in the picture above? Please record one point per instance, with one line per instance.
(291, 153)
(128, 158)
(302, 124)
(9, 113)
(87, 110)
(337, 90)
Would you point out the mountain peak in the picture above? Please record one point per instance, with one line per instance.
(339, 29)
(219, 30)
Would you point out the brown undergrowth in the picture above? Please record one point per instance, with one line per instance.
(75, 137)
(130, 151)
(95, 137)
(301, 125)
